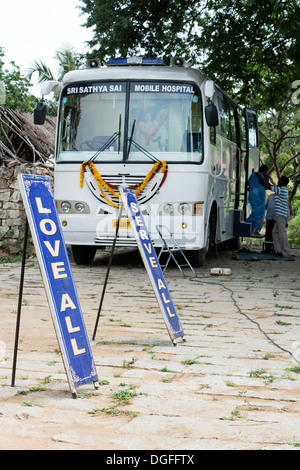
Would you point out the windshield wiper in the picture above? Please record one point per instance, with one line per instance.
(138, 146)
(111, 140)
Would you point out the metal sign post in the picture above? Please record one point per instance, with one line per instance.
(152, 264)
(59, 284)
(13, 377)
(107, 272)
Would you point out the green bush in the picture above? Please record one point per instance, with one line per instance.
(293, 231)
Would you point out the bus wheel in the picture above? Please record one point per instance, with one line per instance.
(196, 257)
(200, 255)
(83, 254)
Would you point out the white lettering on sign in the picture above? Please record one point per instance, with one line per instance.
(40, 207)
(147, 88)
(153, 262)
(143, 235)
(70, 327)
(66, 302)
(54, 251)
(134, 207)
(152, 259)
(48, 231)
(49, 228)
(88, 89)
(177, 89)
(162, 88)
(76, 351)
(58, 270)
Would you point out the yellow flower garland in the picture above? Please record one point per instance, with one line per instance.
(103, 184)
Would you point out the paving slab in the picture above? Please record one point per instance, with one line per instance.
(231, 384)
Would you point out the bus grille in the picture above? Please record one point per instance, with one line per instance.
(129, 181)
(120, 241)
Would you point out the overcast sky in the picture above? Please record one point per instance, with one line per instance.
(36, 29)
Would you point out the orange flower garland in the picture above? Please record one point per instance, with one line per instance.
(103, 184)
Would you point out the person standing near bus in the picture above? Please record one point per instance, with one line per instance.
(282, 213)
(257, 198)
(270, 222)
(280, 238)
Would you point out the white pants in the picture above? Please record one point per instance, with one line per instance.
(280, 238)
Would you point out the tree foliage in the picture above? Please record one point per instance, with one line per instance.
(67, 60)
(280, 147)
(250, 47)
(125, 27)
(16, 87)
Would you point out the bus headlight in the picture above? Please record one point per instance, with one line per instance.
(168, 209)
(79, 207)
(184, 208)
(65, 207)
(72, 207)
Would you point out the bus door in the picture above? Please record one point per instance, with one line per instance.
(252, 148)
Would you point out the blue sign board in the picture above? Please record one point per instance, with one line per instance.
(55, 267)
(152, 264)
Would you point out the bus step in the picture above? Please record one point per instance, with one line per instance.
(242, 228)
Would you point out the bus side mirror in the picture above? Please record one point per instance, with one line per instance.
(211, 114)
(39, 114)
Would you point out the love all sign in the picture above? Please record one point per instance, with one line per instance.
(59, 284)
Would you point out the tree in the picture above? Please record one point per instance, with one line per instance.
(127, 27)
(67, 59)
(250, 47)
(16, 87)
(280, 131)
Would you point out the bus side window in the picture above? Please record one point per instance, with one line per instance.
(252, 131)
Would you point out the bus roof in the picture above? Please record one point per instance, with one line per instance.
(135, 73)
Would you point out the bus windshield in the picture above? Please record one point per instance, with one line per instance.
(130, 121)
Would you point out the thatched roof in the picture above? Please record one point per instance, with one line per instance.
(21, 140)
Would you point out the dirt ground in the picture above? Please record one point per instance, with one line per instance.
(233, 383)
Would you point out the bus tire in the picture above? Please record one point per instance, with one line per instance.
(200, 255)
(196, 257)
(83, 254)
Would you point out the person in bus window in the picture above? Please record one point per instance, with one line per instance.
(149, 128)
(257, 198)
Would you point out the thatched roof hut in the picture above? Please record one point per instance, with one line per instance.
(21, 140)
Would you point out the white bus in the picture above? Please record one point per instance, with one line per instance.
(168, 133)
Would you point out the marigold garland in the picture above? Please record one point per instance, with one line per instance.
(103, 184)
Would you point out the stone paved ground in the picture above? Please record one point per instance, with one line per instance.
(227, 386)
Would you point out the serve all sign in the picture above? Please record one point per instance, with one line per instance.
(151, 263)
(58, 280)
